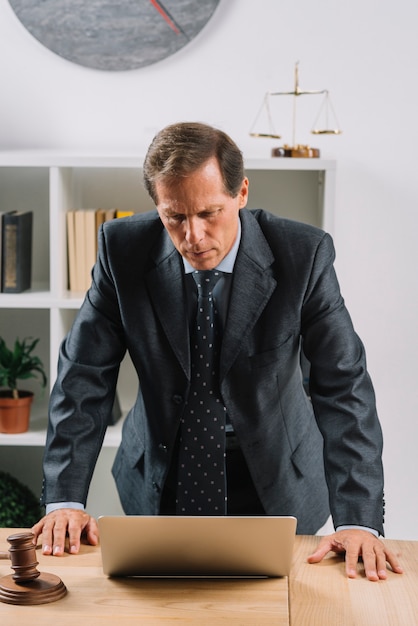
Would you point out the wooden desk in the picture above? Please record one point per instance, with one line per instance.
(321, 594)
(314, 594)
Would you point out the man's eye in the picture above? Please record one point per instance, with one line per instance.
(175, 219)
(207, 215)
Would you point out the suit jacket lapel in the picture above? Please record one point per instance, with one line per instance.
(166, 288)
(252, 287)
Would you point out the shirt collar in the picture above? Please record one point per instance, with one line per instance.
(227, 263)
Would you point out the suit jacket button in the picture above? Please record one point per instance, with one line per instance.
(177, 399)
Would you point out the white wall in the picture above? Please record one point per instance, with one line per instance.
(365, 53)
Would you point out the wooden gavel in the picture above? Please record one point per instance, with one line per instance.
(27, 585)
(23, 556)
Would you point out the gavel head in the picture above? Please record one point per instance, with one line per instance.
(23, 556)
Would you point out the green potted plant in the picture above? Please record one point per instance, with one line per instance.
(19, 507)
(16, 364)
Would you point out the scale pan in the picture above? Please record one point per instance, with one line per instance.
(268, 135)
(326, 131)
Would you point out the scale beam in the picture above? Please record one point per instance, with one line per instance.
(326, 111)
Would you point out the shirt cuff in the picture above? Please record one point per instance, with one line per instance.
(354, 527)
(54, 506)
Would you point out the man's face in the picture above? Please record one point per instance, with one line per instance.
(200, 217)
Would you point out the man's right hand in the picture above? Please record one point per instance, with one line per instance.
(55, 526)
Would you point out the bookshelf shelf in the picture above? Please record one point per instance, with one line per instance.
(36, 435)
(50, 183)
(35, 298)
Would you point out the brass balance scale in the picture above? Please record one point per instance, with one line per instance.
(326, 114)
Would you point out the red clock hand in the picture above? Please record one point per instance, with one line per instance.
(168, 18)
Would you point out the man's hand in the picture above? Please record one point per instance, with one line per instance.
(359, 543)
(55, 526)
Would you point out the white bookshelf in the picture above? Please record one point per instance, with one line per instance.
(51, 183)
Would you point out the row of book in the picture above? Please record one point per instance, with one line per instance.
(82, 229)
(15, 251)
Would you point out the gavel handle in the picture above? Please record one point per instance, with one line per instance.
(4, 555)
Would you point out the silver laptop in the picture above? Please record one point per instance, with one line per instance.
(196, 546)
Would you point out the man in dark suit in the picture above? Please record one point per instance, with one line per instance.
(286, 453)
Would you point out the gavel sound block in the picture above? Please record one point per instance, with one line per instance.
(27, 585)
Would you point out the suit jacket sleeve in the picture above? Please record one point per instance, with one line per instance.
(343, 399)
(83, 394)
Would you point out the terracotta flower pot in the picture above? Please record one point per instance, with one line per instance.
(15, 413)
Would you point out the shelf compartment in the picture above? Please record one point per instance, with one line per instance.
(27, 189)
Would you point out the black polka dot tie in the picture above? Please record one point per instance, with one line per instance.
(201, 488)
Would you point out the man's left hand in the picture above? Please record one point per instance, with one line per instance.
(359, 543)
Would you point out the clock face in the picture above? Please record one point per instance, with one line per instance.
(118, 35)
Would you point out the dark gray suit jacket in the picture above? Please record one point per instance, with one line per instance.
(284, 290)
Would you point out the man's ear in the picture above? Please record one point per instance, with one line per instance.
(243, 193)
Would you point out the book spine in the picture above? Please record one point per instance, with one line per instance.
(16, 252)
(71, 253)
(1, 253)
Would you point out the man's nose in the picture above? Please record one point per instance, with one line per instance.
(194, 231)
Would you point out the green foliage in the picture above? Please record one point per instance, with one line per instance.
(19, 508)
(20, 364)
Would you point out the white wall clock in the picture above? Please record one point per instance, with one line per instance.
(118, 35)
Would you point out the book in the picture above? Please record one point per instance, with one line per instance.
(103, 215)
(100, 218)
(110, 214)
(1, 241)
(16, 251)
(90, 243)
(120, 213)
(71, 253)
(82, 240)
(80, 249)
